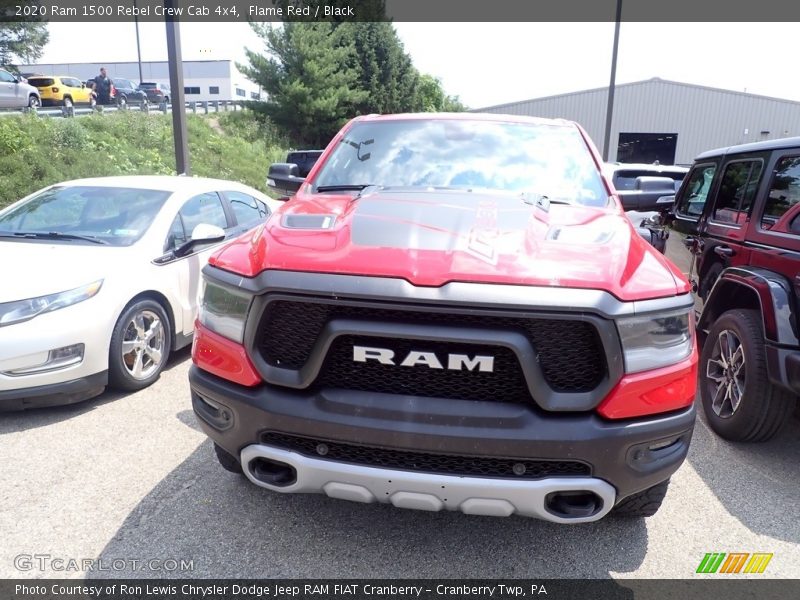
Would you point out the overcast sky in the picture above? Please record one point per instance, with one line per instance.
(494, 63)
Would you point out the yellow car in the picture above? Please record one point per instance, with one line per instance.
(61, 90)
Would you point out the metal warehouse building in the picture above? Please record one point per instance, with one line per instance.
(202, 79)
(667, 121)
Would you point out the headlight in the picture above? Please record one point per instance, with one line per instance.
(224, 311)
(658, 340)
(24, 310)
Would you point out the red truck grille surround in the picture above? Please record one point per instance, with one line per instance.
(568, 351)
(426, 462)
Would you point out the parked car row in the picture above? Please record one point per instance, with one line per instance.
(33, 90)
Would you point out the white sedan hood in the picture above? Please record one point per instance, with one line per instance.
(31, 269)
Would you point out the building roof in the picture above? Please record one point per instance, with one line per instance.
(639, 83)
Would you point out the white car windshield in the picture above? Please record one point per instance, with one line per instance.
(114, 216)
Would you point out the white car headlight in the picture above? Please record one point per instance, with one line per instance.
(19, 311)
(658, 340)
(224, 311)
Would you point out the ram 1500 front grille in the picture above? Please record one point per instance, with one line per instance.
(568, 351)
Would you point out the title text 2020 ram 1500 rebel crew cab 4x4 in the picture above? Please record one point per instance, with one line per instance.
(452, 312)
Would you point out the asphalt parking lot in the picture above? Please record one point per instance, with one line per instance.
(131, 479)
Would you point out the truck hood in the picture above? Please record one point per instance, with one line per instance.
(29, 269)
(431, 237)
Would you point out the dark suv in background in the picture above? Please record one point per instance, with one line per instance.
(741, 207)
(127, 92)
(157, 91)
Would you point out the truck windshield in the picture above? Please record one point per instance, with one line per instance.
(543, 159)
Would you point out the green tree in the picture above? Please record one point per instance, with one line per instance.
(431, 97)
(386, 72)
(309, 76)
(22, 41)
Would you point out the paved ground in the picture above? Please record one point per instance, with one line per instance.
(132, 478)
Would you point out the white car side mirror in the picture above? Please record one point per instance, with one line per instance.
(207, 233)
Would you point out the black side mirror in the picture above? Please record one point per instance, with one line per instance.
(284, 178)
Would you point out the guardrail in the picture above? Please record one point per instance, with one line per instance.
(204, 107)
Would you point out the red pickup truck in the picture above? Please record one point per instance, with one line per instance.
(451, 312)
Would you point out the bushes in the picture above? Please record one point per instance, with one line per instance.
(38, 151)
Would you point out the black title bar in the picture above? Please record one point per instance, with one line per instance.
(405, 10)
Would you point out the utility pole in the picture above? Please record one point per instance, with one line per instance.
(611, 85)
(138, 46)
(176, 84)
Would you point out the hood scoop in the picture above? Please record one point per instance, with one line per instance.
(318, 222)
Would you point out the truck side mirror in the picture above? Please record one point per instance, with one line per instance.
(284, 178)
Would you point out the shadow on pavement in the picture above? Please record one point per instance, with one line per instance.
(756, 483)
(18, 421)
(231, 528)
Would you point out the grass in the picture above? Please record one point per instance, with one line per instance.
(39, 151)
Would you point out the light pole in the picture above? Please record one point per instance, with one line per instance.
(138, 47)
(611, 85)
(176, 84)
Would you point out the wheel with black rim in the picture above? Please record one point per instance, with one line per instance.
(739, 401)
(140, 346)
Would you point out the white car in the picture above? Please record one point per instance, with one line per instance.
(99, 280)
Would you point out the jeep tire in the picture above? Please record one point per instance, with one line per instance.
(739, 401)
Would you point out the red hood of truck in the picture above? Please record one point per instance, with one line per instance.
(432, 237)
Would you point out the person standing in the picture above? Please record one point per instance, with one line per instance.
(103, 87)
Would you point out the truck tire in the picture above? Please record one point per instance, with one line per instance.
(227, 460)
(738, 399)
(642, 504)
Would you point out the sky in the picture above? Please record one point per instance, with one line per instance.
(494, 63)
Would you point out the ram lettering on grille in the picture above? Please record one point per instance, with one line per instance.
(454, 362)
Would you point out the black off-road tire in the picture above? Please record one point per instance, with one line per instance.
(642, 504)
(227, 460)
(764, 408)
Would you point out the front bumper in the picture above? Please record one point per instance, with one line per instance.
(59, 394)
(618, 452)
(25, 349)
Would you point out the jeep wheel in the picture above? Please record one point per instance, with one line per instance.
(739, 401)
(140, 346)
(227, 460)
(642, 504)
(67, 102)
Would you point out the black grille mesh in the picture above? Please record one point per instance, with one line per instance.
(569, 351)
(505, 383)
(427, 462)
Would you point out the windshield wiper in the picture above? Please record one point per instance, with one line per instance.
(346, 187)
(56, 235)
